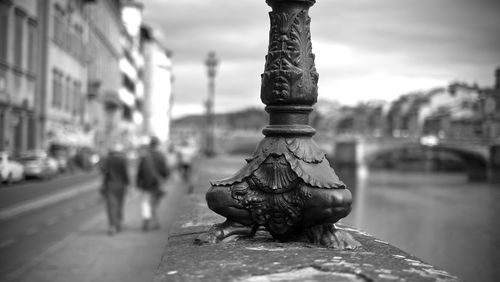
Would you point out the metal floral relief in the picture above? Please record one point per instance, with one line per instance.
(290, 74)
(287, 186)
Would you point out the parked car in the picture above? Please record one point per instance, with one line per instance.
(62, 155)
(10, 170)
(62, 163)
(39, 164)
(86, 158)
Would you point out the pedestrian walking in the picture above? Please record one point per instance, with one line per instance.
(172, 158)
(152, 174)
(114, 186)
(187, 152)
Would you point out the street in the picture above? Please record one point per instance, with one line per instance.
(15, 194)
(29, 234)
(34, 240)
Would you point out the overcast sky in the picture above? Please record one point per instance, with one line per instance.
(365, 49)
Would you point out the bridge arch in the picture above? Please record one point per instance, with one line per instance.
(475, 161)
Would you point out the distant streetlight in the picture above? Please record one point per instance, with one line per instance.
(211, 62)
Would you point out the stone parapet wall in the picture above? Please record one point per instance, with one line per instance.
(264, 259)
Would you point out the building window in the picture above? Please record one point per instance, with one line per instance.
(59, 25)
(127, 113)
(56, 88)
(78, 44)
(32, 45)
(72, 43)
(30, 87)
(3, 81)
(31, 133)
(19, 37)
(4, 30)
(83, 102)
(17, 82)
(76, 98)
(69, 94)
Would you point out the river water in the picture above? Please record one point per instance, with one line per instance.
(441, 218)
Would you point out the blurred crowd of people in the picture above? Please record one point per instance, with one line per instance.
(154, 167)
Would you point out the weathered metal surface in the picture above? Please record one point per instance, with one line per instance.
(263, 258)
(288, 186)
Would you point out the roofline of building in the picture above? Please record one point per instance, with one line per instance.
(133, 3)
(149, 37)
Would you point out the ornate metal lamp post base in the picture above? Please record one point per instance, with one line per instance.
(288, 185)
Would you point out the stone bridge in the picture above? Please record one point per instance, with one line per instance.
(482, 159)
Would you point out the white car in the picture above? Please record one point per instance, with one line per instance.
(38, 164)
(10, 170)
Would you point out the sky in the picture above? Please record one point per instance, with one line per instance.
(365, 49)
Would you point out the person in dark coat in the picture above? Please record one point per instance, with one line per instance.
(151, 176)
(115, 183)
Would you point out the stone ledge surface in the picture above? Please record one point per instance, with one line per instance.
(264, 259)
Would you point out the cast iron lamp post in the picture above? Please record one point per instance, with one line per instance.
(288, 185)
(211, 62)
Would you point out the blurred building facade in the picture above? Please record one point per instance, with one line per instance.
(19, 73)
(158, 81)
(490, 105)
(132, 72)
(64, 78)
(103, 106)
(73, 73)
(363, 119)
(457, 111)
(453, 112)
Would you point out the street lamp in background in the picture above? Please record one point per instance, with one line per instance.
(211, 62)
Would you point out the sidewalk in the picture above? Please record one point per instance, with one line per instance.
(89, 254)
